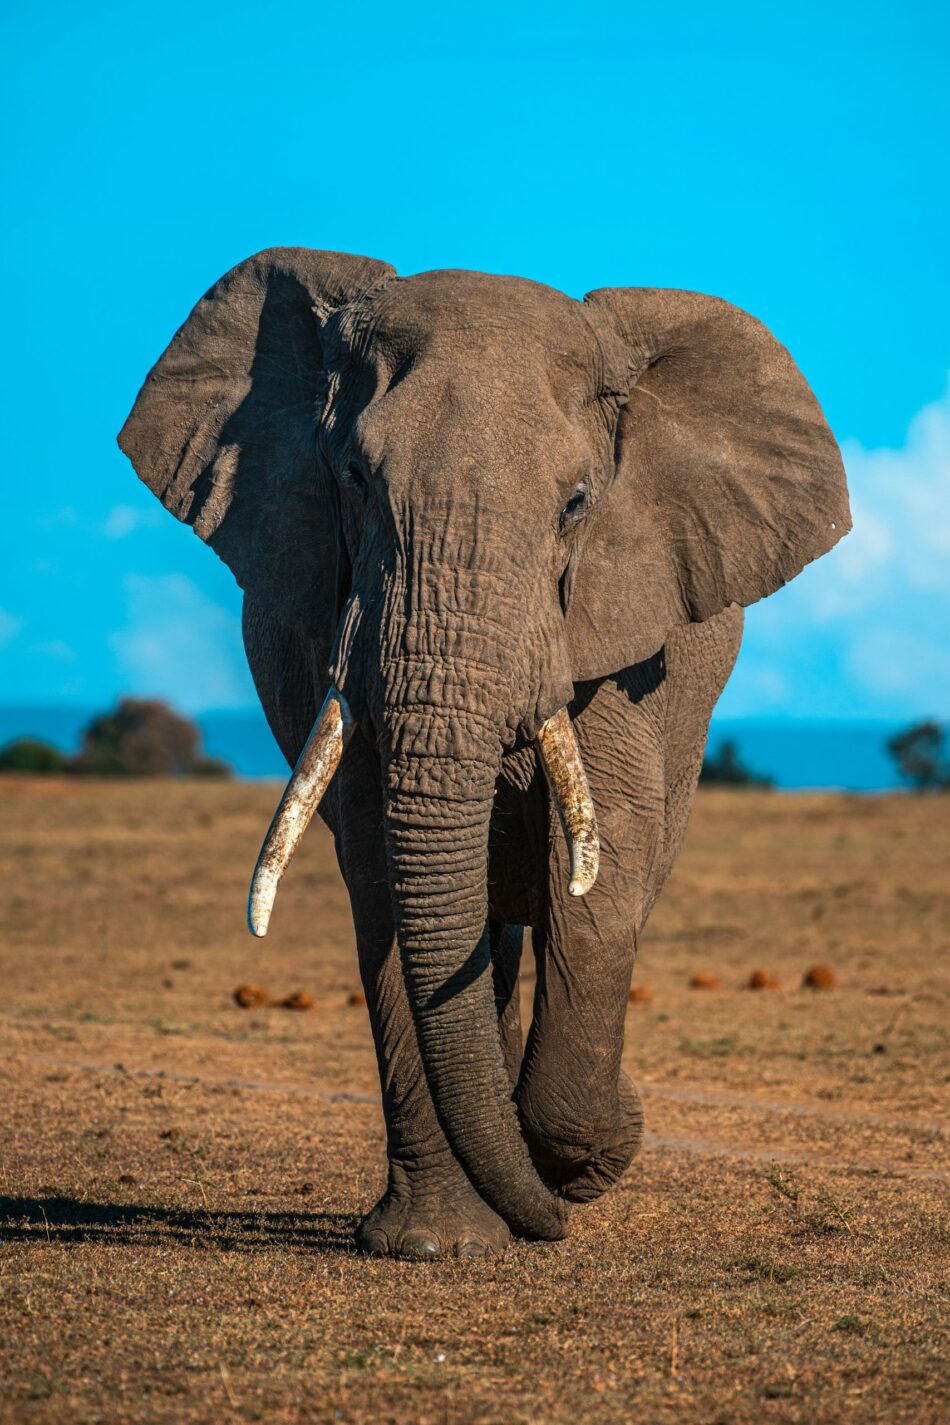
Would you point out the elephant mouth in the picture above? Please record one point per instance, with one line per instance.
(560, 757)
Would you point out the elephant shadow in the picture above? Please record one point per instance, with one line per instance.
(71, 1220)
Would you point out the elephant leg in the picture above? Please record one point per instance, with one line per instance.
(429, 1208)
(580, 1114)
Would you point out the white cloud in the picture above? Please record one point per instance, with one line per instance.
(864, 631)
(902, 508)
(178, 644)
(9, 627)
(123, 520)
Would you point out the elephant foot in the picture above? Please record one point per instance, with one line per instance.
(581, 1172)
(430, 1218)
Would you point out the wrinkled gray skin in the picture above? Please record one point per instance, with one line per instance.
(468, 501)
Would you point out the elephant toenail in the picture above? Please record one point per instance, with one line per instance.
(373, 1244)
(419, 1244)
(471, 1248)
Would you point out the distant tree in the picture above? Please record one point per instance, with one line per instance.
(920, 755)
(29, 754)
(144, 737)
(726, 769)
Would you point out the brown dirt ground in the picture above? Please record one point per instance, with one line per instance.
(181, 1177)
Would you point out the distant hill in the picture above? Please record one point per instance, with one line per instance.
(796, 755)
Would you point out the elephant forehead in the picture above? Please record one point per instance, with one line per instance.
(480, 313)
(453, 411)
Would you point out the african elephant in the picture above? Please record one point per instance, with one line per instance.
(494, 545)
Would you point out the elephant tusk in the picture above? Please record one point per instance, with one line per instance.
(561, 759)
(308, 782)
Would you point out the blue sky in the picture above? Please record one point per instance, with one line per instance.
(796, 165)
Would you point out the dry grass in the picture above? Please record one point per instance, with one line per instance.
(181, 1176)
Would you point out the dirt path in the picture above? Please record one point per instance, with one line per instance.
(180, 1178)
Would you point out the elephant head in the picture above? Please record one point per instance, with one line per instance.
(469, 493)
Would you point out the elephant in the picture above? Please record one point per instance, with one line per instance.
(494, 545)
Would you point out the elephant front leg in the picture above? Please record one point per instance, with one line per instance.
(429, 1208)
(580, 1113)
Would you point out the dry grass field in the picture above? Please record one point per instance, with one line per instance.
(180, 1178)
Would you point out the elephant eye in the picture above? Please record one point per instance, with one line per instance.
(354, 480)
(576, 507)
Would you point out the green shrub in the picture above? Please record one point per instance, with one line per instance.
(29, 754)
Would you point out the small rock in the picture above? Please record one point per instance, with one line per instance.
(879, 1049)
(356, 999)
(640, 994)
(820, 977)
(300, 999)
(762, 980)
(703, 980)
(127, 1180)
(251, 996)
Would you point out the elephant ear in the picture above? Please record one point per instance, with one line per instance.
(728, 480)
(224, 428)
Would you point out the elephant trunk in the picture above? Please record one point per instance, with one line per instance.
(437, 817)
